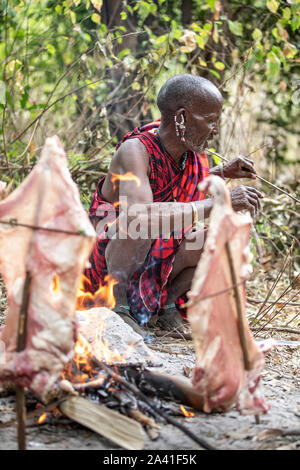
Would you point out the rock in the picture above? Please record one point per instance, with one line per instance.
(106, 331)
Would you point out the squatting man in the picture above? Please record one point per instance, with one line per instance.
(160, 166)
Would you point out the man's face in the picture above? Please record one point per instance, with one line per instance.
(202, 124)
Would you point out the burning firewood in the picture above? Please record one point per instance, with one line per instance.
(45, 237)
(118, 428)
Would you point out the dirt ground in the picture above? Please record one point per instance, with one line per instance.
(279, 429)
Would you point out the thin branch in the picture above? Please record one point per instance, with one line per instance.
(276, 328)
(14, 223)
(282, 268)
(277, 312)
(259, 177)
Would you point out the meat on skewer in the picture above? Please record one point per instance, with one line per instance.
(55, 261)
(220, 376)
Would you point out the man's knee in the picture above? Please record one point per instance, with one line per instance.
(124, 257)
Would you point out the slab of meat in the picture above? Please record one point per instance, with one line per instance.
(219, 375)
(47, 197)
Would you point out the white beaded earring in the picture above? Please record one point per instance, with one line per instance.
(179, 125)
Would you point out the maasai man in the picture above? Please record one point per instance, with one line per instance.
(164, 161)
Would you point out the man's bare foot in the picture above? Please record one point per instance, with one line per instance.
(170, 319)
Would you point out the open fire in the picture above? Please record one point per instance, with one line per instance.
(103, 297)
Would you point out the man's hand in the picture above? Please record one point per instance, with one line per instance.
(245, 197)
(239, 167)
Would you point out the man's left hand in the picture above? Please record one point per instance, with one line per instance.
(239, 167)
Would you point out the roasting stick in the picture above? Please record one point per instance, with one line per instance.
(21, 342)
(238, 303)
(258, 176)
(22, 325)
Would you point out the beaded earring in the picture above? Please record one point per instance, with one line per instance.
(180, 128)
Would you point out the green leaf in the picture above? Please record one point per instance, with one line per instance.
(236, 27)
(217, 160)
(211, 4)
(295, 23)
(96, 18)
(207, 27)
(257, 34)
(136, 86)
(24, 98)
(286, 13)
(177, 33)
(51, 49)
(73, 16)
(123, 53)
(58, 9)
(202, 62)
(216, 74)
(219, 66)
(272, 64)
(161, 39)
(272, 5)
(123, 15)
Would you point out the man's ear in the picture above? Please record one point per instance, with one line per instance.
(180, 116)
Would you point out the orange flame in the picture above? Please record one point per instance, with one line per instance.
(103, 297)
(126, 177)
(187, 414)
(82, 367)
(55, 284)
(104, 353)
(42, 418)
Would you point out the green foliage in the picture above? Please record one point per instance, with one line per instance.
(69, 69)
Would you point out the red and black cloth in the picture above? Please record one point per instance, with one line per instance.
(149, 286)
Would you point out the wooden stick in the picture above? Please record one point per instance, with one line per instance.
(258, 177)
(21, 343)
(239, 308)
(37, 412)
(22, 329)
(21, 417)
(241, 327)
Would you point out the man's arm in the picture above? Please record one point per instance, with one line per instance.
(128, 175)
(132, 161)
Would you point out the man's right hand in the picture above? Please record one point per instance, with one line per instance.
(246, 198)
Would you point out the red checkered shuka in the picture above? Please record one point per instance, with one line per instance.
(148, 287)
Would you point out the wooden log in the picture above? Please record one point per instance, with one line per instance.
(119, 429)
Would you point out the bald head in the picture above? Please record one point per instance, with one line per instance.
(181, 91)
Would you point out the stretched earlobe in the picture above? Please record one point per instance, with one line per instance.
(180, 128)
